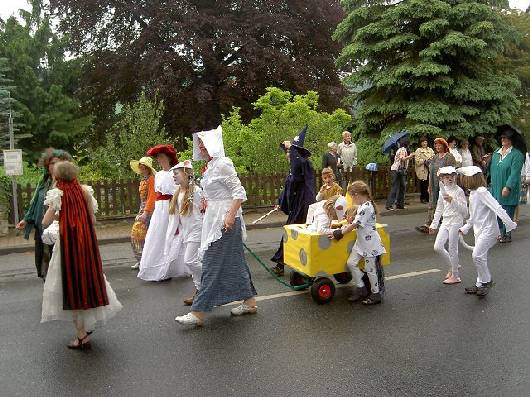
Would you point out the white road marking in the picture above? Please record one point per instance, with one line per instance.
(294, 293)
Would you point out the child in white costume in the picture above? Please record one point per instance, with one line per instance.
(452, 208)
(321, 214)
(368, 245)
(483, 213)
(185, 225)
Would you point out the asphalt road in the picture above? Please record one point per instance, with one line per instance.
(427, 339)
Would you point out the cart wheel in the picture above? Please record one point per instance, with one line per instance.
(343, 278)
(323, 290)
(296, 279)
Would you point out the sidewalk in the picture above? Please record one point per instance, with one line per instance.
(118, 231)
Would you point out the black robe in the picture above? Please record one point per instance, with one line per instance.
(298, 193)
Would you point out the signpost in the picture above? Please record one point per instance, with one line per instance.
(13, 164)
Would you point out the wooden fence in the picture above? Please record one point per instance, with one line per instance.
(119, 199)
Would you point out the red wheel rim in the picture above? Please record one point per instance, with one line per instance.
(324, 292)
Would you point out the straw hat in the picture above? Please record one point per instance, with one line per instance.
(147, 161)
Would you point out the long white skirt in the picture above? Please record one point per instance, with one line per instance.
(162, 248)
(52, 299)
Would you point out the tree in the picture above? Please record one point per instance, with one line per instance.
(255, 146)
(202, 57)
(44, 82)
(427, 66)
(137, 129)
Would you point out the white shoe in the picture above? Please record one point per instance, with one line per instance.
(189, 319)
(135, 266)
(243, 309)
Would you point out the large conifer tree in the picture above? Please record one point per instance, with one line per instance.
(427, 66)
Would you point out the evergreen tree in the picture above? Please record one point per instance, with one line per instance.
(427, 66)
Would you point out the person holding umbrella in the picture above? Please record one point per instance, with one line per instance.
(398, 172)
(505, 166)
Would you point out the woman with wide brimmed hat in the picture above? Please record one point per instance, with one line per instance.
(152, 266)
(144, 168)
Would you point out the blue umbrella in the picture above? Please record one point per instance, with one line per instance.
(393, 140)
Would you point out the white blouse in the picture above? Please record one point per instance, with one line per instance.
(191, 225)
(220, 186)
(453, 212)
(483, 213)
(320, 222)
(467, 159)
(164, 182)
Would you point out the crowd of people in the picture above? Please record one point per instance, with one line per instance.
(187, 229)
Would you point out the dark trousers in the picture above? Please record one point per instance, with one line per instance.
(510, 209)
(397, 190)
(424, 190)
(42, 255)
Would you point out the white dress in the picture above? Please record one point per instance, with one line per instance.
(152, 265)
(319, 222)
(52, 297)
(368, 242)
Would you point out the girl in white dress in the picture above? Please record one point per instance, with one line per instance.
(75, 288)
(451, 208)
(368, 245)
(153, 267)
(186, 220)
(483, 213)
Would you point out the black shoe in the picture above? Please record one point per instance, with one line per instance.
(358, 294)
(401, 208)
(389, 208)
(485, 289)
(373, 299)
(422, 229)
(277, 270)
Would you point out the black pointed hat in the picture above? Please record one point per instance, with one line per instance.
(298, 143)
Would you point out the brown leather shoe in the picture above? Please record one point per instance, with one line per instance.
(189, 301)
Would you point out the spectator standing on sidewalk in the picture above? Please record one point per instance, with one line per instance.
(398, 173)
(422, 156)
(347, 151)
(467, 157)
(331, 159)
(442, 158)
(453, 149)
(478, 152)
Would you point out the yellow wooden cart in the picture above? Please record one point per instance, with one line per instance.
(314, 258)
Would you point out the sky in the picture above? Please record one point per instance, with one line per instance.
(9, 7)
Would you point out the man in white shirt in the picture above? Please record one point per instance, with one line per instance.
(347, 152)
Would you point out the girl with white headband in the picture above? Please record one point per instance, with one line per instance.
(483, 213)
(451, 207)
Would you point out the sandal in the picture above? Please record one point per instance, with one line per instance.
(79, 344)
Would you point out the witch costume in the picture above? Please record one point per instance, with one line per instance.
(75, 286)
(299, 190)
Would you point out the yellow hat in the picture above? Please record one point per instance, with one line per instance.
(147, 161)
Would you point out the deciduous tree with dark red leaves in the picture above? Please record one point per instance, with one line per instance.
(203, 56)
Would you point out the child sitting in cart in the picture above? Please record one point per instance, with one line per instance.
(329, 188)
(368, 245)
(324, 213)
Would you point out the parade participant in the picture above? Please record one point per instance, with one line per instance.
(185, 226)
(299, 190)
(225, 273)
(152, 263)
(368, 246)
(144, 168)
(76, 287)
(442, 158)
(326, 212)
(452, 209)
(483, 213)
(422, 157)
(34, 213)
(505, 172)
(329, 187)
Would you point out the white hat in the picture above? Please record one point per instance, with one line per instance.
(340, 207)
(182, 164)
(447, 170)
(212, 141)
(469, 170)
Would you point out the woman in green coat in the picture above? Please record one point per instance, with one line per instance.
(505, 172)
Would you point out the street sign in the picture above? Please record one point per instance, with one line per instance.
(13, 162)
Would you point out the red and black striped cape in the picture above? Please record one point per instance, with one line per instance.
(82, 270)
